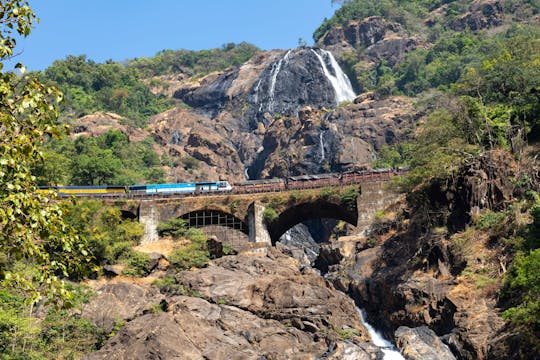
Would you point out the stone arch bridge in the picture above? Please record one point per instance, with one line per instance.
(264, 217)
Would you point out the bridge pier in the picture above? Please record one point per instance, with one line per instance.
(258, 232)
(373, 197)
(149, 217)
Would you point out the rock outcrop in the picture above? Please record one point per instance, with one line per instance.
(415, 277)
(421, 343)
(377, 38)
(247, 307)
(120, 302)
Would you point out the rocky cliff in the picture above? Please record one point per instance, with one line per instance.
(421, 267)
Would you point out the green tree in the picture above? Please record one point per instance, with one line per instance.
(31, 226)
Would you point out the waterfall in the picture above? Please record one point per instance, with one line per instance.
(389, 350)
(321, 144)
(274, 74)
(339, 80)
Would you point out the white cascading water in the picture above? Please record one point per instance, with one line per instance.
(321, 144)
(340, 82)
(389, 350)
(275, 71)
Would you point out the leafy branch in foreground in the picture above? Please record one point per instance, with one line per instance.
(31, 225)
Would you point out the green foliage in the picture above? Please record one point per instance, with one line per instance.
(91, 87)
(110, 237)
(194, 254)
(524, 282)
(440, 148)
(328, 193)
(270, 214)
(194, 62)
(138, 264)
(175, 228)
(61, 332)
(492, 221)
(108, 159)
(348, 197)
(32, 227)
(348, 334)
(393, 156)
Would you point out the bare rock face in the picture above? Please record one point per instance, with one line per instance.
(359, 34)
(100, 123)
(273, 288)
(381, 39)
(482, 14)
(421, 343)
(248, 307)
(120, 302)
(183, 135)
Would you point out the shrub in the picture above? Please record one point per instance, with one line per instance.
(348, 197)
(191, 255)
(138, 264)
(194, 254)
(174, 227)
(492, 221)
(270, 214)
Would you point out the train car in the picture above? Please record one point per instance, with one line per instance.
(86, 191)
(313, 181)
(180, 188)
(261, 185)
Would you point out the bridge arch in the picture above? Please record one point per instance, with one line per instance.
(209, 217)
(310, 210)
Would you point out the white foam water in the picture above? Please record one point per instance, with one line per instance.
(275, 71)
(340, 82)
(389, 350)
(321, 144)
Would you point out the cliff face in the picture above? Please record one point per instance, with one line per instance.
(276, 115)
(426, 267)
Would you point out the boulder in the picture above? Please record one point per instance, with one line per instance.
(421, 343)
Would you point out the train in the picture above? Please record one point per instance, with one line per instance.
(139, 190)
(245, 187)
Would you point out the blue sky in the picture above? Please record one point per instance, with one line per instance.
(125, 29)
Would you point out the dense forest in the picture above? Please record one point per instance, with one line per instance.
(479, 90)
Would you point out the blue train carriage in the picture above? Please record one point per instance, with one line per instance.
(180, 188)
(86, 191)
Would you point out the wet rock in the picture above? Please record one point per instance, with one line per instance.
(421, 343)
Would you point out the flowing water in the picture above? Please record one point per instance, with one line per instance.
(275, 71)
(389, 350)
(321, 144)
(339, 80)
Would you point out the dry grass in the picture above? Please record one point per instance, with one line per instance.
(164, 246)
